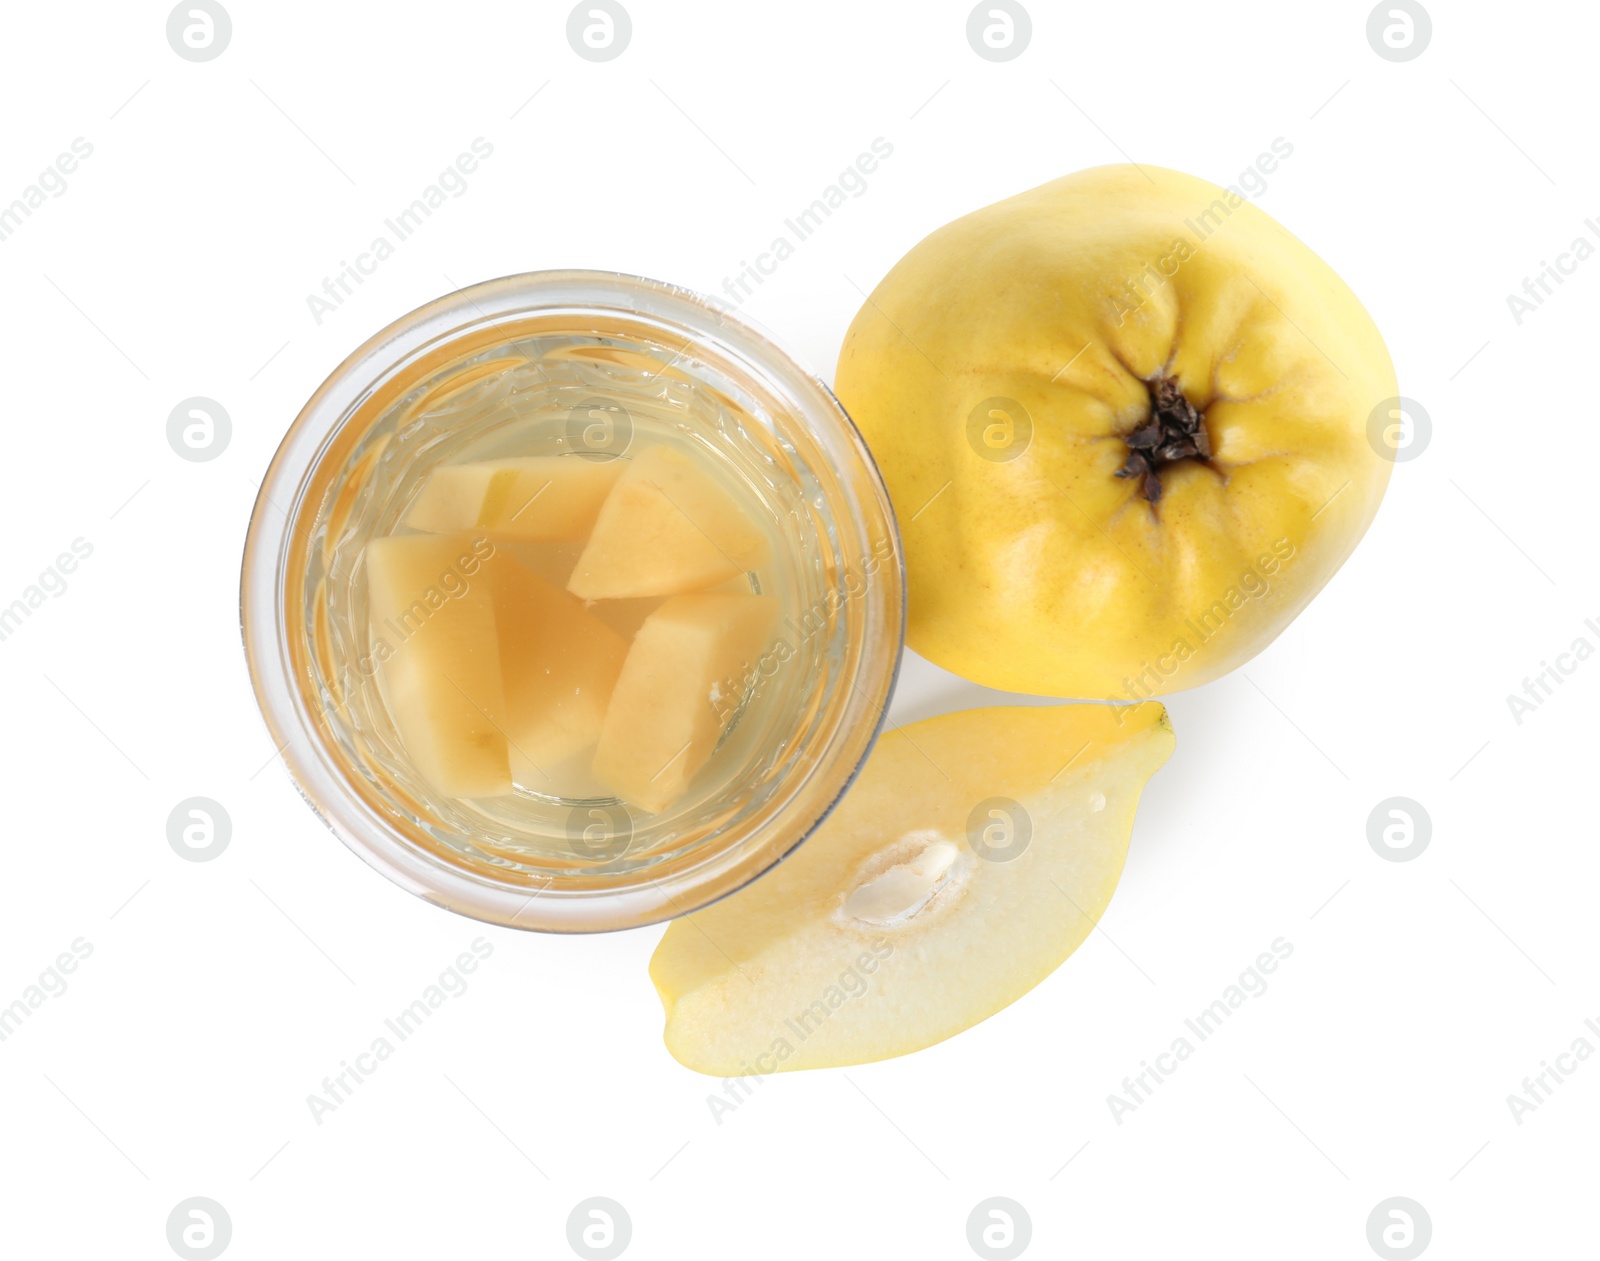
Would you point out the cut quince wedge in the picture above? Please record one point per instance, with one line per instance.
(974, 853)
(666, 528)
(539, 497)
(558, 662)
(678, 691)
(432, 629)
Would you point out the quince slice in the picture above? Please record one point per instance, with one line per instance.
(975, 852)
(677, 693)
(431, 623)
(666, 528)
(541, 497)
(558, 662)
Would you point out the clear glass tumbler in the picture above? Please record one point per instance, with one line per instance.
(579, 364)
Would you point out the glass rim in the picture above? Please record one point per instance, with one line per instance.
(338, 409)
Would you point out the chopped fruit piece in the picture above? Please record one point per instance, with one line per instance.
(533, 497)
(552, 561)
(559, 663)
(432, 629)
(668, 708)
(666, 528)
(626, 616)
(974, 854)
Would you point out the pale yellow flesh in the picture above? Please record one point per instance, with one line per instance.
(509, 677)
(433, 634)
(548, 497)
(1045, 572)
(666, 528)
(558, 663)
(679, 687)
(554, 562)
(782, 975)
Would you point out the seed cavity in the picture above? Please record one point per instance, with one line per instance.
(900, 883)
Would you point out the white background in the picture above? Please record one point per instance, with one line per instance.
(220, 994)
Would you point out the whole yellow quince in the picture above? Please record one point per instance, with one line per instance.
(1130, 426)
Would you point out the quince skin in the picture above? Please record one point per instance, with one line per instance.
(1124, 419)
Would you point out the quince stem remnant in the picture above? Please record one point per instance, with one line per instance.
(1175, 431)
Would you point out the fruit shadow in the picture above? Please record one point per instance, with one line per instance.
(925, 690)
